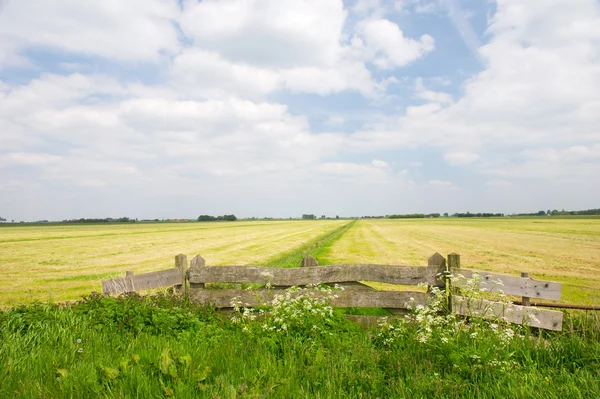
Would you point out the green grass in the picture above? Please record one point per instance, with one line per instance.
(166, 347)
(313, 247)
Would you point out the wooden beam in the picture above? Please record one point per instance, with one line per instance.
(146, 281)
(346, 299)
(512, 285)
(526, 315)
(410, 275)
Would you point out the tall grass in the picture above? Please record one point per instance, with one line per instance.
(164, 346)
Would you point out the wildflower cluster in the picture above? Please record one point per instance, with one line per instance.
(303, 311)
(432, 324)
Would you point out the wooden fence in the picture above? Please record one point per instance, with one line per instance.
(437, 273)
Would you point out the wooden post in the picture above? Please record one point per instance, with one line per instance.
(438, 260)
(525, 300)
(454, 262)
(197, 261)
(309, 261)
(181, 263)
(452, 268)
(129, 273)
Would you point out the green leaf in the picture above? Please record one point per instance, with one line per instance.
(185, 360)
(62, 372)
(109, 372)
(203, 375)
(165, 362)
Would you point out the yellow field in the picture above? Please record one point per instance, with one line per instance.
(563, 250)
(67, 261)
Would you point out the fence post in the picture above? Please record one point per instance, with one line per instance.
(437, 260)
(129, 273)
(452, 268)
(525, 300)
(197, 261)
(181, 263)
(309, 261)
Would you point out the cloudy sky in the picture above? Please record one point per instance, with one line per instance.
(166, 108)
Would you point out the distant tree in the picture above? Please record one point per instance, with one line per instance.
(2, 219)
(323, 216)
(337, 217)
(308, 216)
(445, 214)
(541, 213)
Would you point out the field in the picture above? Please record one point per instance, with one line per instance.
(562, 250)
(65, 261)
(163, 346)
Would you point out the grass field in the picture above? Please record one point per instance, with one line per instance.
(563, 250)
(165, 346)
(66, 261)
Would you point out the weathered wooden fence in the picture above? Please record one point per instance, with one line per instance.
(437, 273)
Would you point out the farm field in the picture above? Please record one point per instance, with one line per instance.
(60, 262)
(563, 250)
(168, 346)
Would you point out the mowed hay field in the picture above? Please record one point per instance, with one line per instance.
(562, 250)
(60, 262)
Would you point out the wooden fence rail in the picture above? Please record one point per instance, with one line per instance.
(438, 273)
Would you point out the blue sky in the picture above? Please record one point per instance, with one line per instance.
(165, 108)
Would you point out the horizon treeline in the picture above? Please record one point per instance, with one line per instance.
(209, 218)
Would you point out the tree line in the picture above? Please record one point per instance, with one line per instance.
(100, 220)
(209, 218)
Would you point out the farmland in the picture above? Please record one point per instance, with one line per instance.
(66, 261)
(562, 250)
(165, 346)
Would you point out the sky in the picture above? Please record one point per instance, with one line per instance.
(269, 108)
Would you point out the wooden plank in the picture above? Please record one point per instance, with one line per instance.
(346, 299)
(138, 282)
(512, 285)
(526, 300)
(369, 321)
(410, 275)
(526, 315)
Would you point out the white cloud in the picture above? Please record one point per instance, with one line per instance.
(380, 164)
(273, 33)
(430, 95)
(387, 47)
(443, 184)
(460, 158)
(136, 30)
(28, 159)
(539, 87)
(201, 73)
